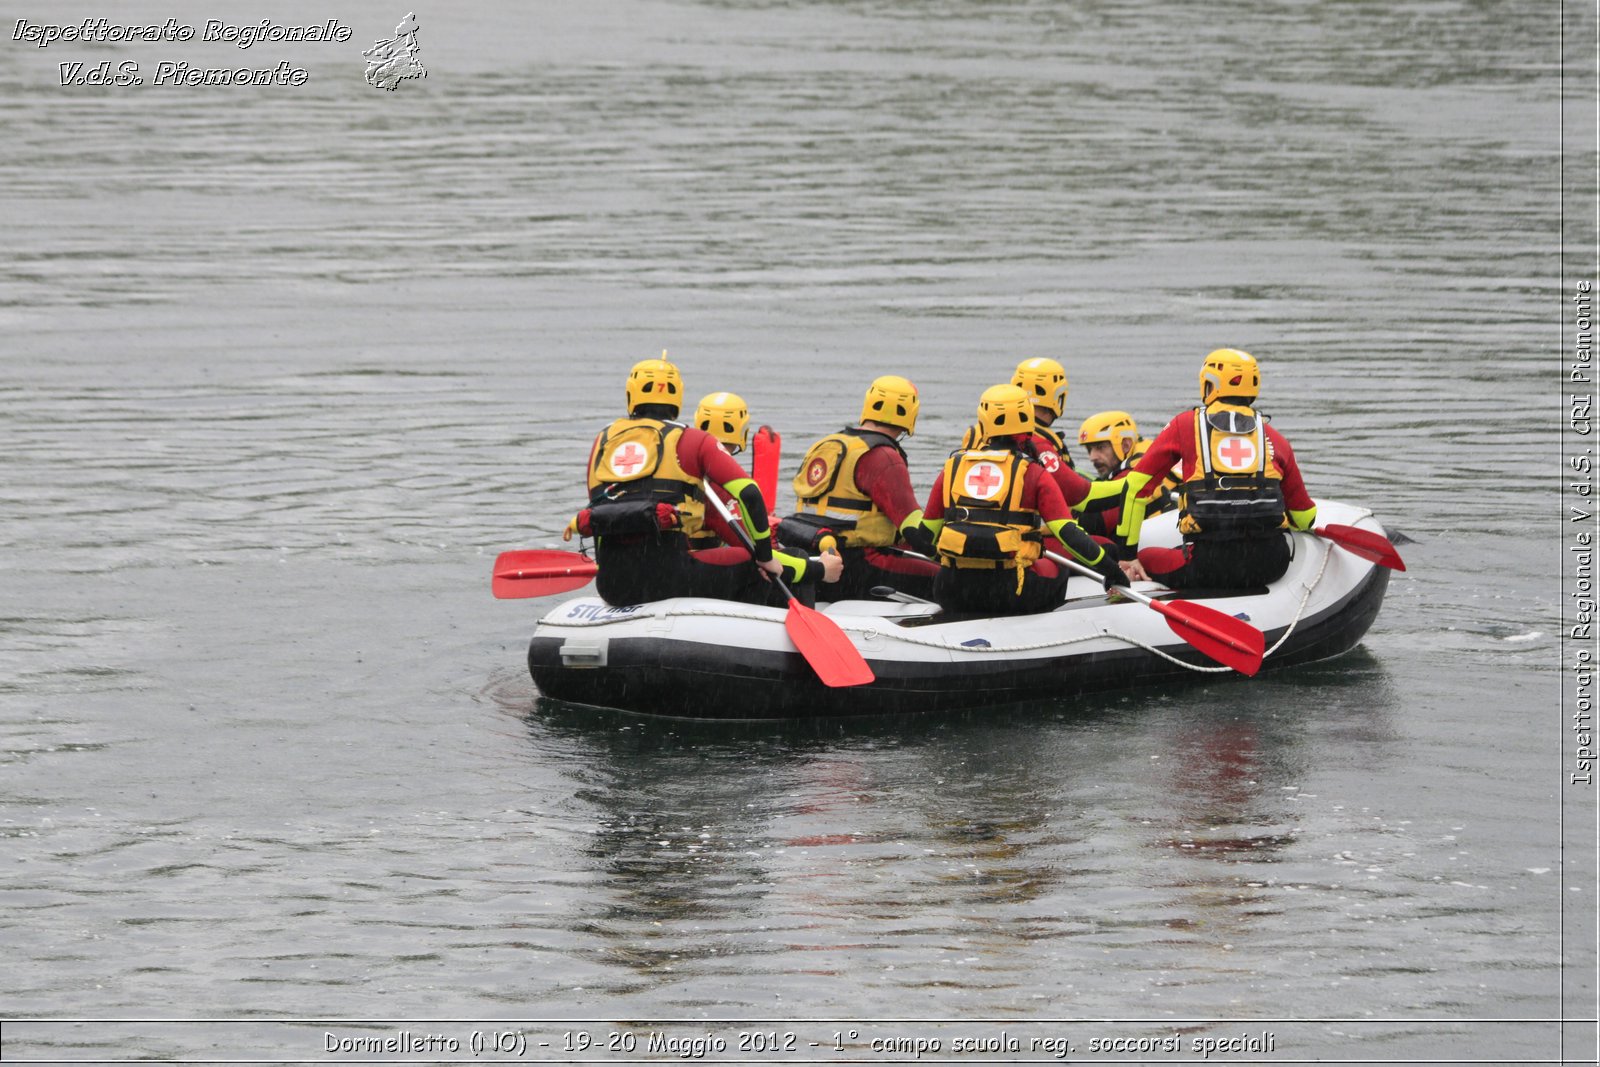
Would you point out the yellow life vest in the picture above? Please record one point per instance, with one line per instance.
(826, 487)
(636, 460)
(985, 524)
(1235, 490)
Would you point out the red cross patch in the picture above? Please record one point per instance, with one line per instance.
(627, 458)
(816, 470)
(983, 480)
(1237, 454)
(1050, 460)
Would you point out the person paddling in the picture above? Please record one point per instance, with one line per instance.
(988, 512)
(1240, 487)
(645, 474)
(1045, 382)
(855, 486)
(726, 417)
(1112, 443)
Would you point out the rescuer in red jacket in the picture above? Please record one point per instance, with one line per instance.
(855, 487)
(988, 513)
(1240, 490)
(646, 499)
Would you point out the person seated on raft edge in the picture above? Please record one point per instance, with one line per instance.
(646, 498)
(1045, 382)
(1112, 443)
(1240, 488)
(855, 486)
(988, 512)
(726, 417)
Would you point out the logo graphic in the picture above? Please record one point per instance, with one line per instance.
(627, 458)
(1237, 454)
(1050, 460)
(393, 61)
(983, 481)
(816, 471)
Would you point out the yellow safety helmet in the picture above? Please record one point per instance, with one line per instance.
(725, 417)
(1005, 410)
(891, 400)
(655, 381)
(1116, 427)
(1230, 373)
(1045, 381)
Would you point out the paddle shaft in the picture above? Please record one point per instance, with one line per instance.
(832, 656)
(1090, 572)
(744, 535)
(1180, 617)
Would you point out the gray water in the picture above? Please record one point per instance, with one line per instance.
(287, 367)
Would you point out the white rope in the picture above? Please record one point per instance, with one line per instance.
(1327, 553)
(1169, 657)
(719, 613)
(929, 642)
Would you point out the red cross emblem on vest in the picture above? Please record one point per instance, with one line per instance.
(1237, 453)
(816, 470)
(628, 458)
(982, 480)
(1050, 460)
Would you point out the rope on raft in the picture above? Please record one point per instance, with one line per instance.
(870, 632)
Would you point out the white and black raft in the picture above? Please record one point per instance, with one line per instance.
(714, 659)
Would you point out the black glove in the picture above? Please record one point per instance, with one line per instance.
(918, 538)
(1111, 571)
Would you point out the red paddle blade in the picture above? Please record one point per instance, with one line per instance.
(540, 572)
(825, 647)
(765, 451)
(1363, 543)
(1231, 642)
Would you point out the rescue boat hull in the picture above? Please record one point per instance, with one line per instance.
(701, 658)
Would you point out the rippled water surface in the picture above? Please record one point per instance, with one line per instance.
(286, 368)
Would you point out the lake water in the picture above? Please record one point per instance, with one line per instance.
(286, 367)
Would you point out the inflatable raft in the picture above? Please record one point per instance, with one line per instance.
(701, 658)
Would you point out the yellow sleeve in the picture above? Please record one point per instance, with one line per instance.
(1077, 541)
(794, 567)
(1133, 508)
(752, 505)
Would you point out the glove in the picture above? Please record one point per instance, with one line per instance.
(918, 538)
(1111, 571)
